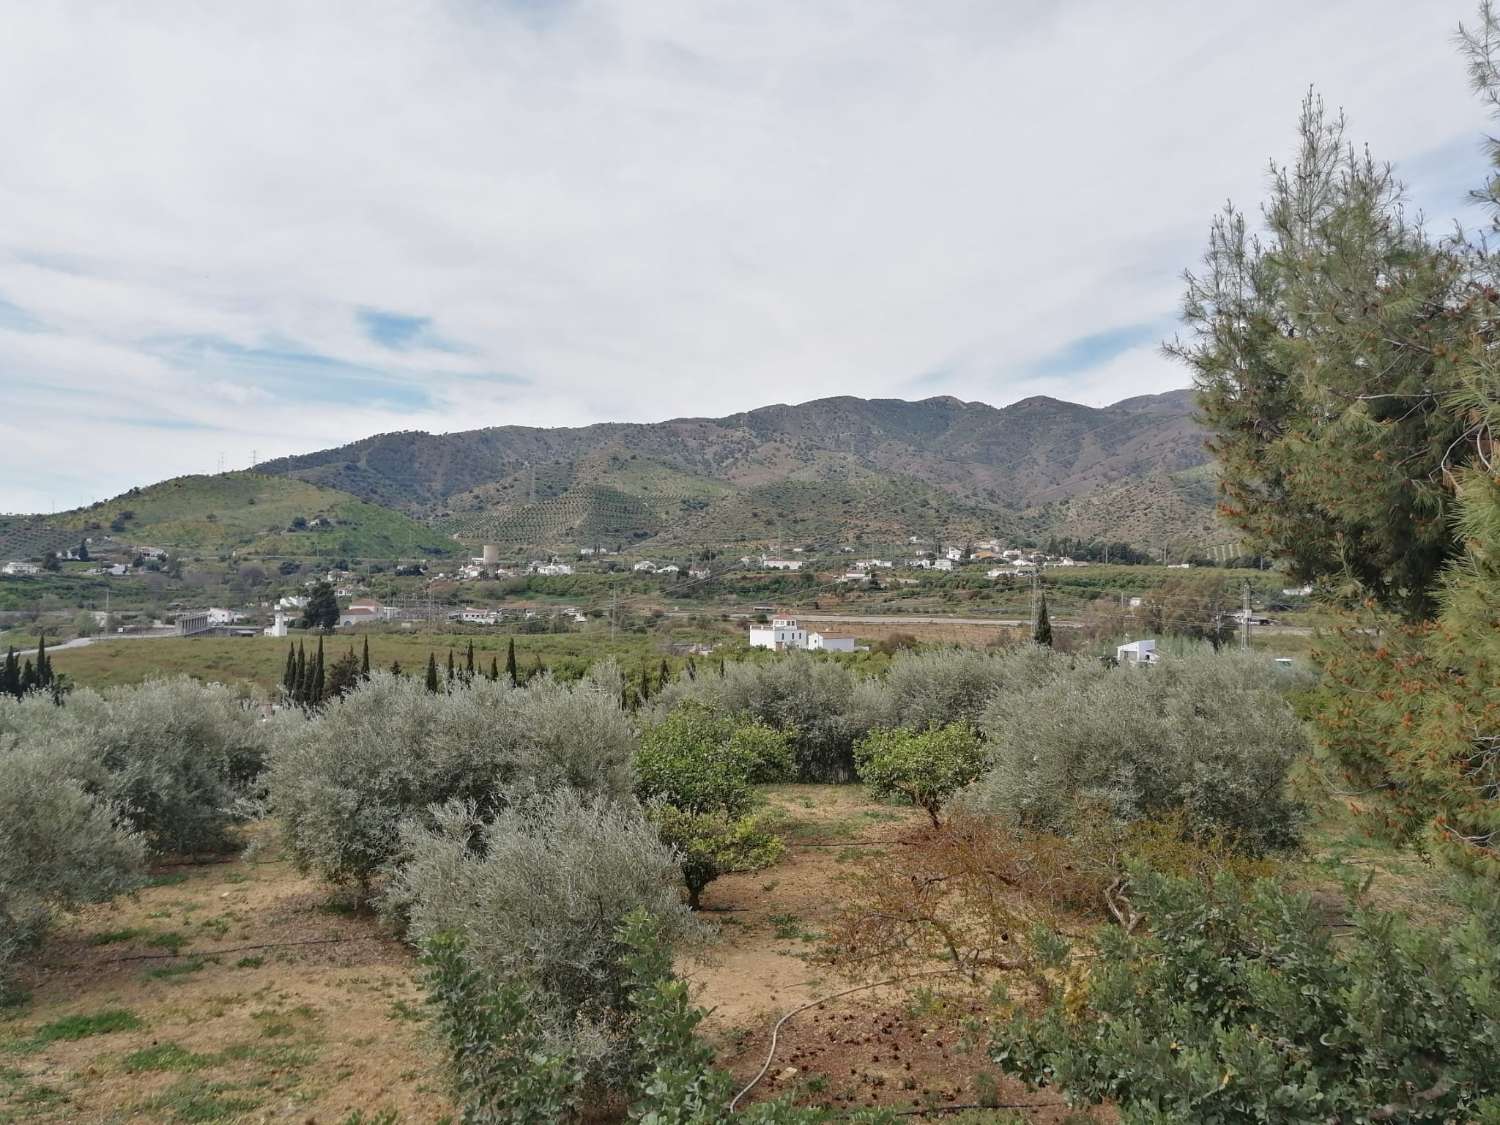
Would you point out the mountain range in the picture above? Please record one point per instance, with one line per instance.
(835, 470)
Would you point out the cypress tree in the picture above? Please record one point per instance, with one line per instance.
(364, 661)
(494, 669)
(316, 695)
(469, 662)
(1042, 634)
(10, 675)
(645, 689)
(537, 667)
(450, 668)
(28, 678)
(692, 669)
(299, 692)
(289, 677)
(510, 662)
(432, 677)
(395, 667)
(43, 665)
(665, 676)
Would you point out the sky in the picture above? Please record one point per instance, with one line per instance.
(235, 231)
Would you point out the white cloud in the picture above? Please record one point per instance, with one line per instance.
(646, 208)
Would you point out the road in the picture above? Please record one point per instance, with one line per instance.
(80, 642)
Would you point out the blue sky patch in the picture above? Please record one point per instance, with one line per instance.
(392, 330)
(1097, 348)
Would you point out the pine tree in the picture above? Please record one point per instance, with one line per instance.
(510, 662)
(1042, 634)
(364, 661)
(322, 610)
(432, 672)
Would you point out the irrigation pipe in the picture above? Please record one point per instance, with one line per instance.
(776, 1031)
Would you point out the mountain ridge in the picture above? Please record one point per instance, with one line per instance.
(840, 466)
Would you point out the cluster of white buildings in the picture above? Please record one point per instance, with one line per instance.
(784, 633)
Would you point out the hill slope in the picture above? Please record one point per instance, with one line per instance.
(833, 468)
(254, 514)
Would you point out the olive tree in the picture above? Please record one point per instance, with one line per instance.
(178, 757)
(1210, 738)
(62, 844)
(536, 895)
(342, 782)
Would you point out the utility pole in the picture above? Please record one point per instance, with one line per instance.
(1245, 616)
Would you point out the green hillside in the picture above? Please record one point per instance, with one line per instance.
(253, 514)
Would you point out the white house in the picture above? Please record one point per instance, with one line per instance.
(942, 564)
(782, 564)
(1137, 652)
(292, 601)
(997, 571)
(19, 568)
(698, 572)
(217, 617)
(645, 566)
(471, 616)
(829, 642)
(954, 554)
(670, 568)
(781, 633)
(278, 629)
(554, 570)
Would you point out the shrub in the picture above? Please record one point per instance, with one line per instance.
(798, 694)
(926, 767)
(1235, 1004)
(343, 782)
(712, 843)
(934, 688)
(536, 896)
(177, 756)
(1210, 737)
(699, 761)
(62, 845)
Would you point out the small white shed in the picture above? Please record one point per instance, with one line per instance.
(1137, 652)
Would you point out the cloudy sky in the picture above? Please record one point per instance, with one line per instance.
(232, 229)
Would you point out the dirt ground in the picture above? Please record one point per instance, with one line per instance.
(896, 1046)
(226, 992)
(242, 992)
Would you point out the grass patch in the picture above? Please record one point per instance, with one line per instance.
(171, 941)
(70, 1028)
(169, 879)
(172, 972)
(401, 1010)
(115, 937)
(164, 1056)
(190, 1099)
(249, 962)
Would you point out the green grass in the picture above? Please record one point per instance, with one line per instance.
(115, 937)
(172, 941)
(191, 1100)
(165, 1056)
(251, 513)
(71, 1028)
(174, 971)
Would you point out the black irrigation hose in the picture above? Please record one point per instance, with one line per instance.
(936, 1109)
(213, 952)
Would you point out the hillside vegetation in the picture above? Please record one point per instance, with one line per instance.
(253, 513)
(841, 468)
